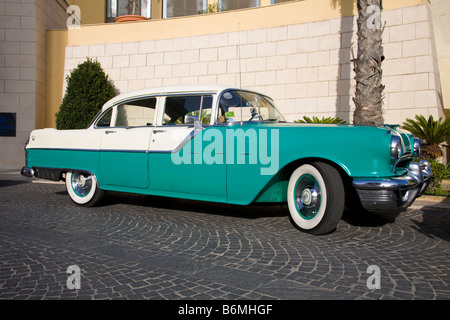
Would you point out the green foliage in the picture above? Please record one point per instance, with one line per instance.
(440, 172)
(433, 132)
(88, 88)
(332, 120)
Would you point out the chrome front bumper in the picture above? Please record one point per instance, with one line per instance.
(394, 194)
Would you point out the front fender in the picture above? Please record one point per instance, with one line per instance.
(359, 151)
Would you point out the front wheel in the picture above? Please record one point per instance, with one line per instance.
(316, 198)
(83, 189)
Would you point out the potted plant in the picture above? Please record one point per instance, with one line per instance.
(132, 7)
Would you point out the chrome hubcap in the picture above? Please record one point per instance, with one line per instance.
(81, 184)
(81, 181)
(307, 196)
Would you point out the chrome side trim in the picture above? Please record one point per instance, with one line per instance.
(184, 142)
(92, 150)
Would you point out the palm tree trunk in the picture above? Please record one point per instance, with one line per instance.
(367, 65)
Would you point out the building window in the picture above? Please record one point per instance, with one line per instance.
(116, 8)
(7, 124)
(279, 1)
(237, 4)
(179, 8)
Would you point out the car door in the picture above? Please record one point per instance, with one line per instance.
(125, 145)
(177, 146)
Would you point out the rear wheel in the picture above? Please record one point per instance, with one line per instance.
(316, 198)
(83, 189)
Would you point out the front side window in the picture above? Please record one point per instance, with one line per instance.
(184, 110)
(105, 119)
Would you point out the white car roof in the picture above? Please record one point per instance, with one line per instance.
(167, 90)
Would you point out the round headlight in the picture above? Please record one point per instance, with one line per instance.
(396, 148)
(416, 147)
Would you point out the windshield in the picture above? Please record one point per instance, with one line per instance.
(239, 105)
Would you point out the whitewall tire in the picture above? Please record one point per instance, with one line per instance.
(82, 188)
(315, 198)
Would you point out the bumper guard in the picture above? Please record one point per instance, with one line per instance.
(394, 194)
(27, 172)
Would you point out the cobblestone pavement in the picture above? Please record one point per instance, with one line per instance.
(143, 247)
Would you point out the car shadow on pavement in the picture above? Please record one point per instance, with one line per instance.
(9, 183)
(216, 208)
(363, 218)
(434, 223)
(254, 211)
(358, 218)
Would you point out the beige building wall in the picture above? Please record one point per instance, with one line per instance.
(304, 66)
(440, 10)
(23, 26)
(441, 21)
(92, 11)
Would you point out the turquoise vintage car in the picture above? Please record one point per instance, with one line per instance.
(215, 143)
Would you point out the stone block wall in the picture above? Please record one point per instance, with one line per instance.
(305, 67)
(23, 25)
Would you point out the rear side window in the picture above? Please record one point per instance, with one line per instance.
(137, 113)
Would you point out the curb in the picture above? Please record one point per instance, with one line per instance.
(434, 202)
(431, 198)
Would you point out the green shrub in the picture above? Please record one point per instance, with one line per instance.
(88, 88)
(440, 172)
(332, 120)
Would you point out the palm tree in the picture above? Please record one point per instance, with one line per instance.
(367, 65)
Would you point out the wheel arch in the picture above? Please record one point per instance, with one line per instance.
(279, 182)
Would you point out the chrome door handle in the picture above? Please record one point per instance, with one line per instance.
(110, 131)
(156, 131)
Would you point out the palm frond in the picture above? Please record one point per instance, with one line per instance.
(329, 120)
(434, 132)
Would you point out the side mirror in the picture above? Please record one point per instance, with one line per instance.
(188, 119)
